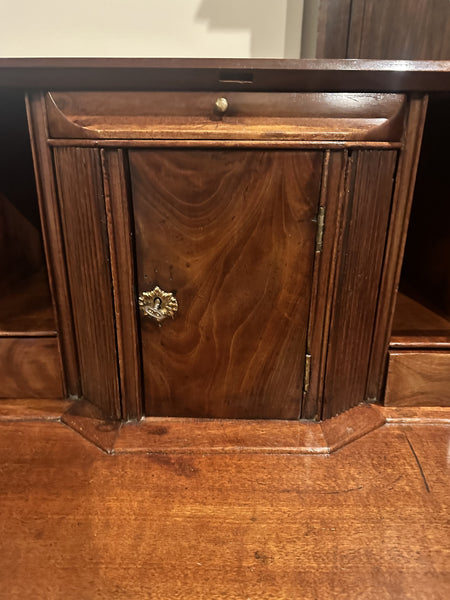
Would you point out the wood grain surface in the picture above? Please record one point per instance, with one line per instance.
(404, 29)
(224, 74)
(120, 235)
(363, 237)
(418, 378)
(232, 233)
(395, 244)
(370, 521)
(418, 326)
(192, 115)
(157, 435)
(332, 28)
(30, 368)
(53, 241)
(32, 409)
(332, 196)
(83, 216)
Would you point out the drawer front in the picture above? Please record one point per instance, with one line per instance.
(235, 115)
(418, 378)
(231, 235)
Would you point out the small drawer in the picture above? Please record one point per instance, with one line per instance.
(228, 116)
(418, 378)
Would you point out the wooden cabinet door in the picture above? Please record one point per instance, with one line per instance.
(231, 233)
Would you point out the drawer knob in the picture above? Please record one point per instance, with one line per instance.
(158, 304)
(221, 105)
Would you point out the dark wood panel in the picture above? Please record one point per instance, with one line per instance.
(54, 247)
(400, 29)
(214, 74)
(192, 115)
(362, 246)
(80, 187)
(401, 206)
(418, 379)
(233, 234)
(120, 227)
(333, 28)
(332, 192)
(30, 368)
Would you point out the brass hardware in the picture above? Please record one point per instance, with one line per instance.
(221, 105)
(320, 228)
(158, 304)
(307, 375)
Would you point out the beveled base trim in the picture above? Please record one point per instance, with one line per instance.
(426, 415)
(233, 436)
(159, 435)
(86, 419)
(33, 409)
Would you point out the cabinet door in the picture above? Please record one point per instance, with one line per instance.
(231, 234)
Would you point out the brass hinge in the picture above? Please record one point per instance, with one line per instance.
(307, 374)
(320, 228)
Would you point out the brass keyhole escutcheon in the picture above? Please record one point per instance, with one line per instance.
(158, 304)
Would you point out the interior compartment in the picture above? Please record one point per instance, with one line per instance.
(25, 301)
(422, 315)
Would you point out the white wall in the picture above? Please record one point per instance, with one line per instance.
(145, 28)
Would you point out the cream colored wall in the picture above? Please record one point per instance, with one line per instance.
(145, 28)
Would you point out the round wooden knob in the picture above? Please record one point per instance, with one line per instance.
(221, 105)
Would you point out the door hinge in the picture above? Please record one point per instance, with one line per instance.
(320, 228)
(307, 373)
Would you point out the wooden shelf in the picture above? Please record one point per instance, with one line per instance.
(417, 326)
(26, 308)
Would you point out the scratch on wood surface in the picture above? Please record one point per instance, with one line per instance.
(418, 464)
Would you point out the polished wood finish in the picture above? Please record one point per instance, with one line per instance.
(31, 409)
(30, 368)
(279, 144)
(332, 195)
(233, 234)
(363, 236)
(422, 317)
(416, 415)
(192, 115)
(370, 521)
(275, 108)
(418, 379)
(159, 435)
(417, 326)
(89, 421)
(54, 246)
(279, 75)
(80, 188)
(395, 244)
(120, 233)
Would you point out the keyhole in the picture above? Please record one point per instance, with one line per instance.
(157, 303)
